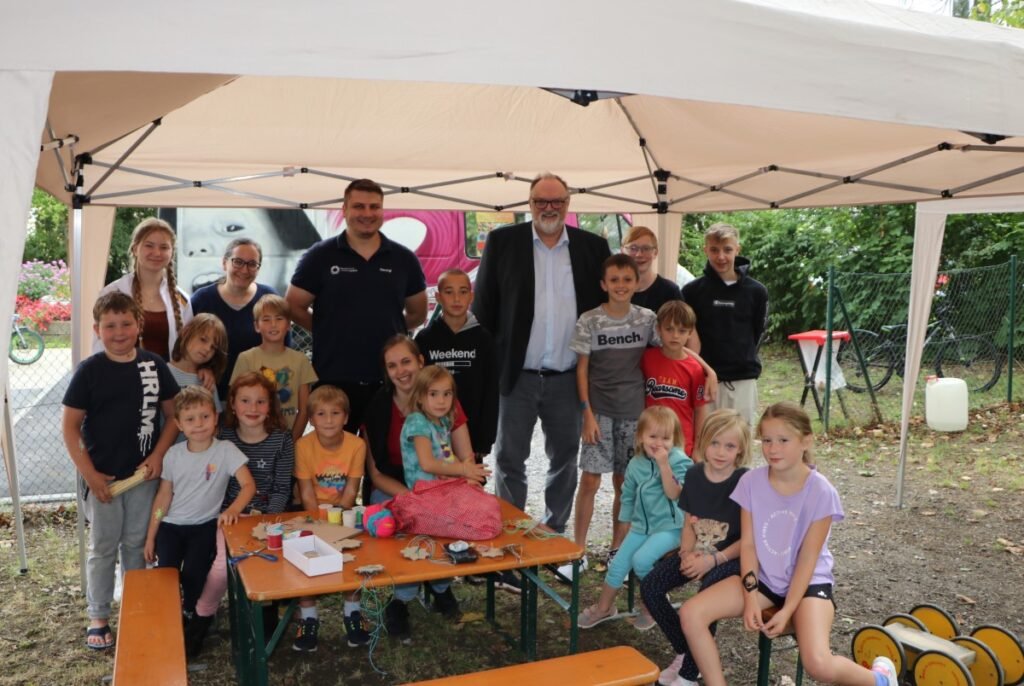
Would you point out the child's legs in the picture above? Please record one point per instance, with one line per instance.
(654, 591)
(740, 396)
(199, 550)
(137, 504)
(407, 592)
(724, 599)
(585, 494)
(216, 581)
(623, 434)
(106, 521)
(689, 670)
(651, 550)
(813, 623)
(619, 566)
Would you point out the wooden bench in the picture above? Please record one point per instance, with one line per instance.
(619, 666)
(150, 641)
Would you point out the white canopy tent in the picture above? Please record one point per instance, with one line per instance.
(735, 104)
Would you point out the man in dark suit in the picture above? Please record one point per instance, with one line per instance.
(535, 279)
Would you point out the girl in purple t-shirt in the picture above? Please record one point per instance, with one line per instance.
(787, 512)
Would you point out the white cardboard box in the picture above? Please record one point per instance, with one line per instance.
(328, 559)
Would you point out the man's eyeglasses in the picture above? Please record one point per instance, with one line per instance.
(632, 249)
(238, 263)
(541, 203)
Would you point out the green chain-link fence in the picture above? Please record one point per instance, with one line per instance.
(968, 337)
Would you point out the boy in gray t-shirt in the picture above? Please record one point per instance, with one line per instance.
(609, 342)
(183, 527)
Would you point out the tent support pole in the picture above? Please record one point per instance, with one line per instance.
(76, 354)
(131, 148)
(7, 440)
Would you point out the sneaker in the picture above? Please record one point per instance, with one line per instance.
(305, 639)
(680, 681)
(447, 605)
(396, 619)
(669, 674)
(565, 571)
(644, 622)
(509, 581)
(195, 634)
(884, 666)
(355, 634)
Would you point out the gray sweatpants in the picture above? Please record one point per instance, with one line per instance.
(117, 526)
(554, 400)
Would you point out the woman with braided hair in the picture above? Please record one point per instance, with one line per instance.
(151, 283)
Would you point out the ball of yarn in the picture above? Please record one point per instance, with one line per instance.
(379, 522)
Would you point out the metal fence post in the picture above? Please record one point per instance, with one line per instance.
(1010, 358)
(828, 345)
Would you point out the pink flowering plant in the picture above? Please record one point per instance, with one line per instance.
(44, 292)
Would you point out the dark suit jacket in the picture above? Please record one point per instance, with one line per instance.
(504, 298)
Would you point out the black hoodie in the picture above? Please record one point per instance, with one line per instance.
(470, 357)
(730, 320)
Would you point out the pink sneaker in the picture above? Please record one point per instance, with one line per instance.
(884, 666)
(669, 674)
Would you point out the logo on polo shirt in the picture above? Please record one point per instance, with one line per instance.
(336, 269)
(723, 303)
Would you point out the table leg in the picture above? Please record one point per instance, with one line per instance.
(239, 636)
(259, 646)
(631, 592)
(574, 609)
(489, 611)
(524, 604)
(531, 629)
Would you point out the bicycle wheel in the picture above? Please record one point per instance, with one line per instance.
(878, 361)
(26, 346)
(971, 358)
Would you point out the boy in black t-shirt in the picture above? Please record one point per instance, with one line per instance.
(117, 419)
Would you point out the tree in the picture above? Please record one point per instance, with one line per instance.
(47, 238)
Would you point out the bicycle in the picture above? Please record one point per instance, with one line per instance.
(26, 345)
(973, 358)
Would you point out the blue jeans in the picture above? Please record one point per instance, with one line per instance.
(554, 400)
(640, 552)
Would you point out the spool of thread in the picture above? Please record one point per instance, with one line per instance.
(334, 515)
(359, 516)
(275, 536)
(348, 518)
(324, 508)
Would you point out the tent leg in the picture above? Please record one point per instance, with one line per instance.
(76, 353)
(7, 439)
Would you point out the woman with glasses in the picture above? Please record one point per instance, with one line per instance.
(232, 299)
(652, 290)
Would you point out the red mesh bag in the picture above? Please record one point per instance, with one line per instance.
(449, 508)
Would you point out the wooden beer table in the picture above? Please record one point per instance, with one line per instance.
(254, 582)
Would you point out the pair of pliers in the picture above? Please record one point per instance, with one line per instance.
(257, 553)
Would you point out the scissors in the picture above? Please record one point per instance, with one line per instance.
(258, 553)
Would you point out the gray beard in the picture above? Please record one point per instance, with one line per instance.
(548, 227)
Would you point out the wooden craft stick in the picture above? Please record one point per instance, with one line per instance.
(121, 485)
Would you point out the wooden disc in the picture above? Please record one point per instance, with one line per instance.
(935, 668)
(938, 621)
(872, 641)
(1007, 649)
(985, 669)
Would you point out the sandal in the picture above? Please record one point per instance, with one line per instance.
(103, 632)
(589, 618)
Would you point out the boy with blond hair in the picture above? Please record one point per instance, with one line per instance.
(732, 312)
(289, 369)
(329, 464)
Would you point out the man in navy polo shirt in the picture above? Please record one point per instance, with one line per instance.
(363, 288)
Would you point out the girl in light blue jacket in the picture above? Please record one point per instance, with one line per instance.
(650, 494)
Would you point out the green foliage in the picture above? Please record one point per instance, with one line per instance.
(1005, 12)
(47, 239)
(125, 221)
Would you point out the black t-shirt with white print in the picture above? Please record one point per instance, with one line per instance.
(121, 400)
(717, 516)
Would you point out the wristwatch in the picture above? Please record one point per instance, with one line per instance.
(750, 581)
